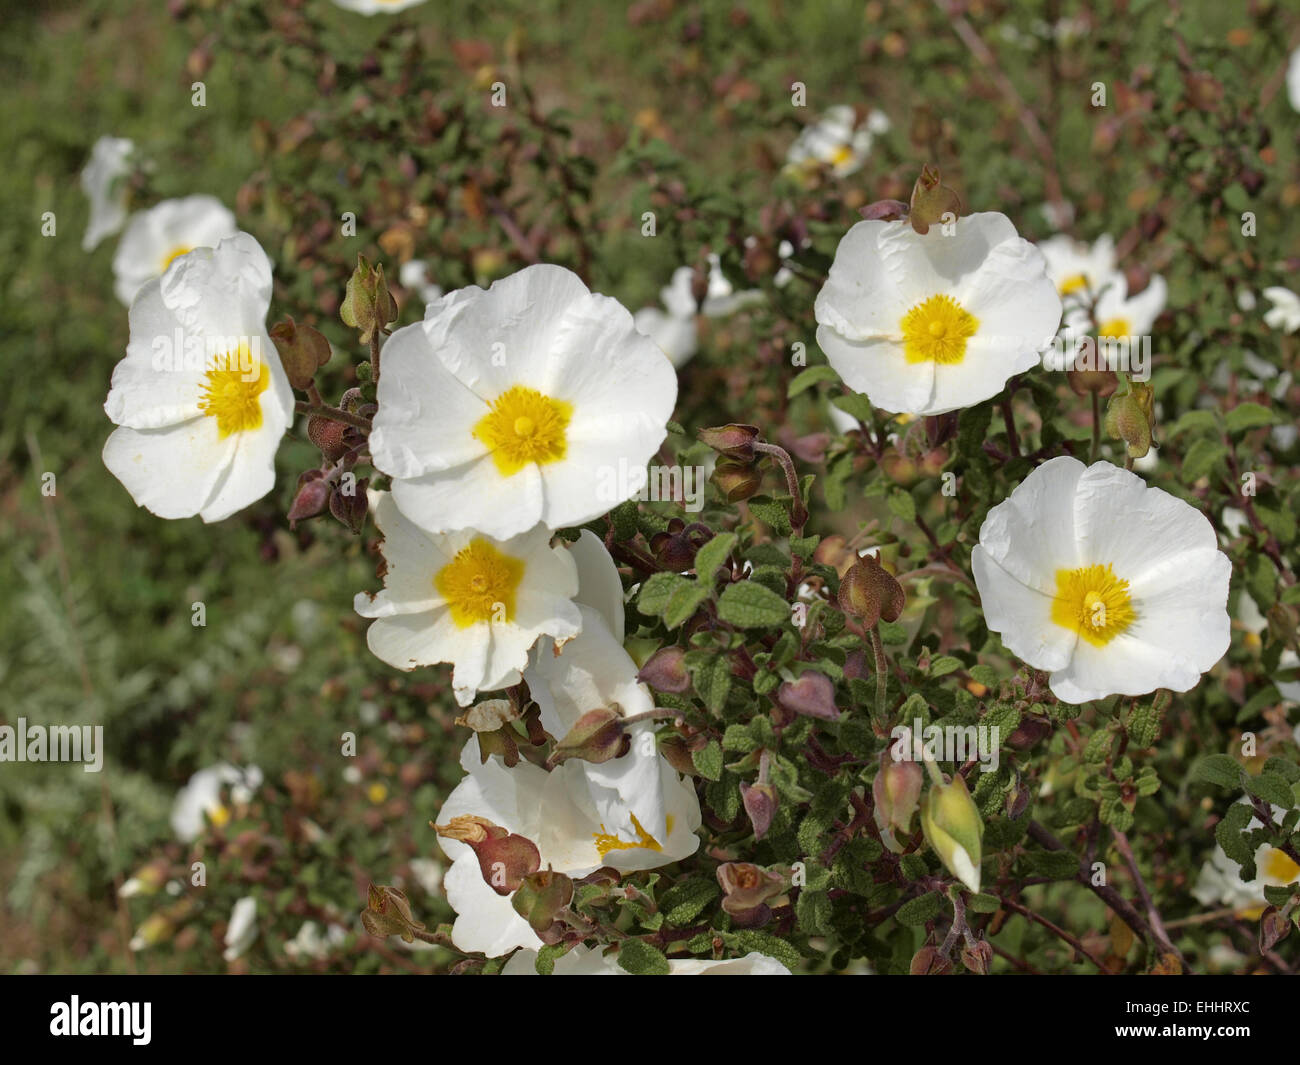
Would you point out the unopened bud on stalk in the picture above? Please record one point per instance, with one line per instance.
(952, 826)
(895, 793)
(368, 306)
(868, 591)
(735, 441)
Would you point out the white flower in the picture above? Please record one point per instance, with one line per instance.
(675, 337)
(200, 800)
(586, 961)
(1220, 880)
(1254, 624)
(1077, 269)
(156, 238)
(593, 670)
(836, 140)
(1293, 80)
(201, 398)
(528, 402)
(375, 7)
(101, 181)
(672, 327)
(928, 324)
(414, 275)
(553, 810)
(309, 944)
(467, 599)
(1285, 312)
(1115, 587)
(242, 929)
(1118, 314)
(428, 874)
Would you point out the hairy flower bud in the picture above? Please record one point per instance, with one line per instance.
(312, 498)
(665, 671)
(746, 889)
(870, 592)
(952, 826)
(596, 737)
(302, 350)
(895, 792)
(811, 695)
(1128, 418)
(350, 507)
(388, 913)
(932, 201)
(368, 306)
(540, 897)
(736, 481)
(504, 858)
(760, 802)
(735, 441)
(327, 434)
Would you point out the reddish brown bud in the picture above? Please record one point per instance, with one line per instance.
(349, 504)
(596, 737)
(313, 495)
(302, 350)
(735, 440)
(760, 801)
(736, 481)
(811, 695)
(871, 593)
(665, 671)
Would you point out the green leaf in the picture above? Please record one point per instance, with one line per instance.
(708, 760)
(750, 940)
(683, 603)
(683, 902)
(919, 910)
(772, 513)
(813, 912)
(749, 605)
(1230, 834)
(1202, 457)
(1143, 726)
(1249, 416)
(1219, 769)
(902, 505)
(657, 592)
(857, 405)
(945, 664)
(712, 555)
(1058, 865)
(1272, 789)
(548, 956)
(814, 375)
(712, 680)
(982, 903)
(641, 959)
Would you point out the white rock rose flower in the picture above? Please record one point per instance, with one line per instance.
(242, 929)
(586, 961)
(414, 275)
(1293, 80)
(1220, 883)
(201, 398)
(837, 140)
(1284, 314)
(156, 238)
(467, 599)
(672, 326)
(928, 324)
(533, 401)
(101, 181)
(200, 801)
(1077, 269)
(552, 810)
(1119, 315)
(1114, 587)
(593, 670)
(376, 7)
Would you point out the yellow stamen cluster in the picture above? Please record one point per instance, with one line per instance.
(479, 584)
(1115, 329)
(936, 330)
(523, 427)
(1093, 602)
(232, 398)
(606, 842)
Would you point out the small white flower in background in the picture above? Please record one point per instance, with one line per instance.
(156, 238)
(200, 800)
(554, 811)
(1118, 314)
(520, 404)
(310, 945)
(1254, 624)
(586, 961)
(672, 327)
(1235, 523)
(414, 276)
(201, 399)
(467, 599)
(242, 929)
(836, 140)
(101, 181)
(1220, 883)
(1115, 587)
(1293, 80)
(593, 670)
(928, 324)
(376, 7)
(1246, 299)
(428, 874)
(1284, 314)
(1079, 269)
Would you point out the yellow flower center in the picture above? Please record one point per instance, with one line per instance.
(1073, 284)
(1278, 866)
(841, 155)
(524, 426)
(377, 792)
(219, 816)
(174, 254)
(1115, 329)
(233, 399)
(479, 584)
(936, 330)
(606, 842)
(1093, 602)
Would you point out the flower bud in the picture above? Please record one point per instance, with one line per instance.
(735, 441)
(302, 350)
(895, 793)
(952, 826)
(929, 962)
(1127, 420)
(978, 958)
(870, 592)
(350, 507)
(327, 434)
(811, 695)
(388, 913)
(884, 210)
(367, 306)
(313, 495)
(760, 802)
(665, 671)
(596, 737)
(746, 888)
(540, 897)
(146, 880)
(1103, 382)
(504, 858)
(931, 200)
(736, 481)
